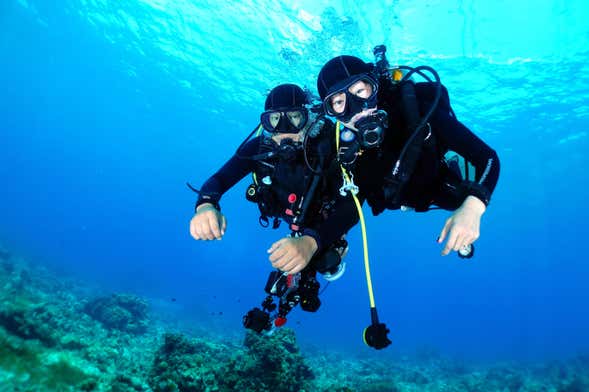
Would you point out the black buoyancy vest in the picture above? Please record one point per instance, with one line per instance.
(277, 180)
(408, 102)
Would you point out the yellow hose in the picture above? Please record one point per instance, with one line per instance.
(362, 225)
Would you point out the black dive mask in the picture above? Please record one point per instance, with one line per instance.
(352, 103)
(285, 120)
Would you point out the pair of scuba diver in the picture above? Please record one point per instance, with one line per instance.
(394, 143)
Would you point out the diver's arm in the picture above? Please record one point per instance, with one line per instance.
(458, 138)
(293, 254)
(462, 228)
(236, 168)
(341, 219)
(208, 222)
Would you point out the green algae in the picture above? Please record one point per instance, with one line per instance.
(30, 363)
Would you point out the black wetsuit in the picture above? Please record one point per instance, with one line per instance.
(278, 179)
(432, 182)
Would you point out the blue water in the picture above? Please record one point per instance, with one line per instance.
(107, 108)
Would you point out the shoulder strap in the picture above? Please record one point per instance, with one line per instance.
(419, 130)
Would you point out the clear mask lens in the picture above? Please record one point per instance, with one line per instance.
(353, 96)
(284, 121)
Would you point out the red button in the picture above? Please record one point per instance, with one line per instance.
(292, 198)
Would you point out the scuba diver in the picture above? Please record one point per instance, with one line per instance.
(399, 146)
(394, 136)
(290, 156)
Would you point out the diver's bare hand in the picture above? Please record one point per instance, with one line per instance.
(208, 223)
(292, 254)
(463, 227)
(356, 117)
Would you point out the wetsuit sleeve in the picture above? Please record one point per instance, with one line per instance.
(452, 134)
(341, 219)
(236, 168)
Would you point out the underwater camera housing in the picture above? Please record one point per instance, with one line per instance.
(290, 290)
(257, 320)
(309, 291)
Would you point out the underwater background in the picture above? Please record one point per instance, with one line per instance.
(107, 109)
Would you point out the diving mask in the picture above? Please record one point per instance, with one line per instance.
(357, 94)
(284, 120)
